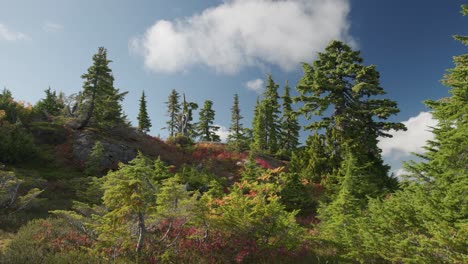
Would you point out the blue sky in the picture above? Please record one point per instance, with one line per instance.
(210, 49)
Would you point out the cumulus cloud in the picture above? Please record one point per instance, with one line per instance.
(255, 85)
(223, 133)
(9, 35)
(51, 27)
(242, 33)
(412, 140)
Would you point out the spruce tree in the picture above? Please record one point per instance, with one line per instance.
(289, 125)
(429, 215)
(100, 100)
(173, 110)
(144, 122)
(236, 136)
(271, 109)
(205, 127)
(259, 133)
(51, 104)
(339, 81)
(266, 127)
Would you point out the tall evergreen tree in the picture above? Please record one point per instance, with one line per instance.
(236, 136)
(266, 134)
(339, 81)
(205, 127)
(429, 216)
(259, 133)
(100, 100)
(289, 125)
(144, 122)
(173, 110)
(271, 107)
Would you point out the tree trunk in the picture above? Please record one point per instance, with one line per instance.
(141, 232)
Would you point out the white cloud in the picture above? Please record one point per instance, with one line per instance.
(255, 85)
(51, 27)
(223, 132)
(241, 33)
(412, 140)
(9, 35)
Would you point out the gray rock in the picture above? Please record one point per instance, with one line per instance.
(114, 151)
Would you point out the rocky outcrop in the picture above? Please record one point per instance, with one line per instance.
(115, 151)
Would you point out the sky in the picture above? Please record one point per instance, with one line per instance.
(212, 49)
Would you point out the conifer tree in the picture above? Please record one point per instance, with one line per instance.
(236, 136)
(339, 81)
(429, 216)
(93, 163)
(129, 195)
(271, 108)
(173, 110)
(51, 104)
(289, 124)
(205, 127)
(100, 101)
(259, 133)
(144, 122)
(266, 127)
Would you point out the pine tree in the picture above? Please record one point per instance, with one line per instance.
(144, 122)
(205, 127)
(259, 133)
(93, 163)
(266, 127)
(100, 100)
(289, 124)
(51, 104)
(129, 196)
(236, 137)
(173, 110)
(339, 81)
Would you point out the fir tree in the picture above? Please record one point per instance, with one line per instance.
(173, 110)
(205, 127)
(236, 137)
(51, 104)
(144, 122)
(100, 100)
(93, 164)
(339, 81)
(266, 127)
(289, 124)
(259, 133)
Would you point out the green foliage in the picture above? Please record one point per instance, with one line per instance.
(253, 209)
(100, 100)
(43, 241)
(205, 127)
(173, 110)
(16, 144)
(266, 127)
(236, 139)
(290, 127)
(339, 81)
(93, 164)
(12, 197)
(426, 222)
(144, 122)
(51, 105)
(12, 111)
